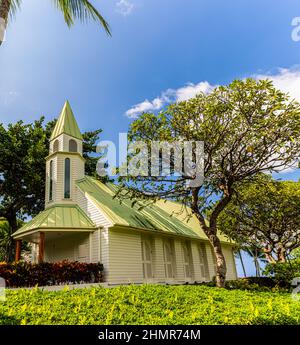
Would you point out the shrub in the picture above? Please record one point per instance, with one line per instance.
(149, 305)
(251, 283)
(254, 284)
(25, 274)
(283, 272)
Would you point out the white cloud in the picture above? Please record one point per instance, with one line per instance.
(8, 97)
(171, 95)
(139, 108)
(124, 7)
(286, 80)
(191, 90)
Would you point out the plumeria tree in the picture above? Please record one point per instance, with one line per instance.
(247, 127)
(71, 10)
(265, 216)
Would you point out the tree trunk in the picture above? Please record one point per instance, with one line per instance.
(4, 13)
(281, 255)
(268, 256)
(257, 268)
(211, 233)
(242, 263)
(254, 254)
(220, 259)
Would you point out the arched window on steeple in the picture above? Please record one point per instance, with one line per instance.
(72, 145)
(51, 181)
(67, 193)
(55, 146)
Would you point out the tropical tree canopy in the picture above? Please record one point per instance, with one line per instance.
(23, 150)
(265, 215)
(247, 127)
(6, 240)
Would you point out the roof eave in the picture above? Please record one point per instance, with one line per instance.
(17, 235)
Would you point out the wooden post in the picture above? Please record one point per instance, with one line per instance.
(18, 250)
(41, 247)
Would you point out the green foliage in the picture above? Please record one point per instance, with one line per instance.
(283, 272)
(255, 284)
(264, 214)
(90, 140)
(262, 284)
(295, 254)
(6, 241)
(25, 274)
(23, 150)
(149, 305)
(247, 127)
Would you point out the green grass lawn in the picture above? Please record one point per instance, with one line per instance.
(148, 305)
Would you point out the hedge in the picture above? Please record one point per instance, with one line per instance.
(283, 272)
(257, 284)
(149, 305)
(26, 274)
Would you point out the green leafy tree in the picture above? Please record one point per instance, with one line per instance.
(264, 216)
(295, 254)
(6, 240)
(89, 146)
(23, 150)
(71, 10)
(247, 127)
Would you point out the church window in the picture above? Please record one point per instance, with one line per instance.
(72, 146)
(67, 178)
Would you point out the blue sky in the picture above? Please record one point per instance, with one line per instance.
(157, 45)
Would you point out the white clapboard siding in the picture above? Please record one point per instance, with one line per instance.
(54, 181)
(196, 262)
(158, 260)
(125, 257)
(59, 190)
(77, 172)
(90, 209)
(95, 246)
(179, 264)
(60, 140)
(104, 251)
(74, 247)
(230, 262)
(99, 239)
(63, 143)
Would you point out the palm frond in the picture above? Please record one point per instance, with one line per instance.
(14, 6)
(82, 10)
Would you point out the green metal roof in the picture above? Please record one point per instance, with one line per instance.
(66, 124)
(163, 216)
(157, 217)
(58, 217)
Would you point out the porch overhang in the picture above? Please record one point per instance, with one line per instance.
(56, 219)
(33, 235)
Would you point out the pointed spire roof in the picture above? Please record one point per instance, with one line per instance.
(66, 124)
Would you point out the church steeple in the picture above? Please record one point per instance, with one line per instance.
(65, 164)
(66, 124)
